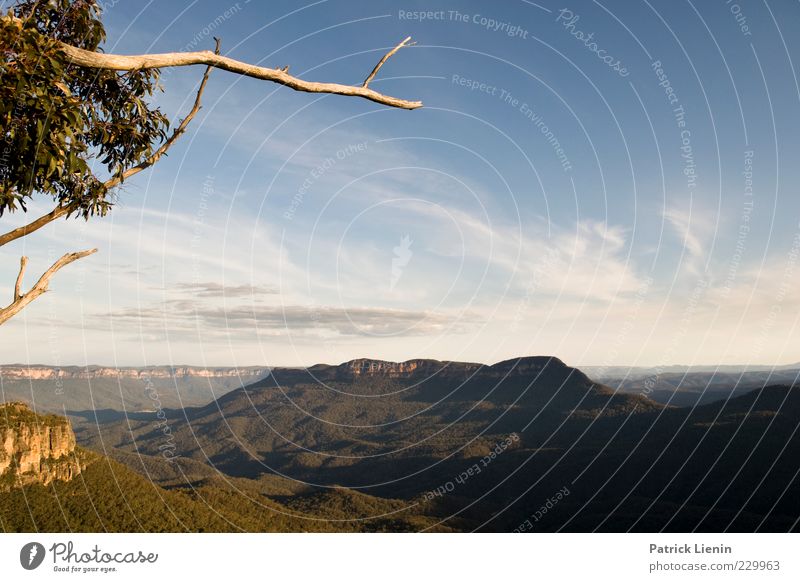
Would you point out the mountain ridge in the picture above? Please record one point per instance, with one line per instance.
(460, 445)
(372, 368)
(45, 372)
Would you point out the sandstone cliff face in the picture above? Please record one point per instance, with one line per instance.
(419, 370)
(527, 366)
(35, 448)
(369, 368)
(20, 372)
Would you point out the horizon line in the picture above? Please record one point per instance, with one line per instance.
(771, 365)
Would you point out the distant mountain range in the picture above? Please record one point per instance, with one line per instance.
(39, 372)
(643, 371)
(58, 389)
(689, 388)
(528, 444)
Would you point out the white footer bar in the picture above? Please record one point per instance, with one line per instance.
(401, 557)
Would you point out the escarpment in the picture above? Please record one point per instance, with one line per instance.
(35, 448)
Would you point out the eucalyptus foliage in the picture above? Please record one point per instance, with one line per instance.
(66, 129)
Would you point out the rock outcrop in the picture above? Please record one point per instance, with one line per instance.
(366, 368)
(35, 448)
(421, 369)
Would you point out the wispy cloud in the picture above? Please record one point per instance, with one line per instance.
(694, 230)
(211, 289)
(247, 320)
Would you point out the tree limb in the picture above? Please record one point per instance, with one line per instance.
(12, 235)
(385, 58)
(22, 300)
(114, 62)
(23, 262)
(108, 184)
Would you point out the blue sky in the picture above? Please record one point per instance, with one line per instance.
(612, 183)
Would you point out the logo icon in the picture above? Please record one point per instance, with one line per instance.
(31, 555)
(402, 255)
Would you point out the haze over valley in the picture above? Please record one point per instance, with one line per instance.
(368, 445)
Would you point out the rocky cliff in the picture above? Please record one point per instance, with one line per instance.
(421, 369)
(35, 448)
(366, 368)
(88, 388)
(36, 372)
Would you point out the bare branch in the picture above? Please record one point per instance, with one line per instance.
(22, 300)
(62, 262)
(13, 235)
(23, 262)
(172, 139)
(385, 58)
(95, 60)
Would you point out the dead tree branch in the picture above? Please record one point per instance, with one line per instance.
(386, 57)
(43, 220)
(114, 62)
(22, 300)
(23, 262)
(171, 139)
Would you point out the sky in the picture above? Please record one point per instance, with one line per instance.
(612, 183)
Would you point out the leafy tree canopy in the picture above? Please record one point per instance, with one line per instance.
(63, 124)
